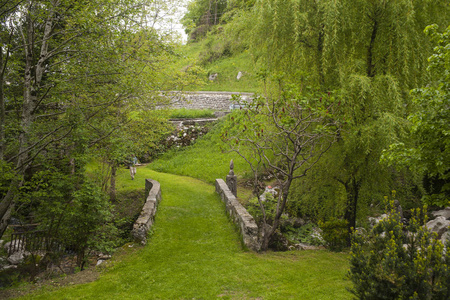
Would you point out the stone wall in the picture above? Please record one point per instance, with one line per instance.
(217, 101)
(239, 215)
(147, 216)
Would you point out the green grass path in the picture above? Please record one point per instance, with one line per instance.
(195, 253)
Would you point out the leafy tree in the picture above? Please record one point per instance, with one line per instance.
(370, 53)
(202, 15)
(73, 69)
(286, 133)
(429, 131)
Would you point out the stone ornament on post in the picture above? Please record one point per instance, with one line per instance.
(232, 180)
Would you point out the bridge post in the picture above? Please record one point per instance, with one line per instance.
(232, 180)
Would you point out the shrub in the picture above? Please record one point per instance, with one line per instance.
(395, 261)
(335, 233)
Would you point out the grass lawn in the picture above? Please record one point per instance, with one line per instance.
(195, 253)
(203, 160)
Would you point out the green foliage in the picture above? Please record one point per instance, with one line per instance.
(396, 261)
(430, 129)
(335, 234)
(71, 209)
(363, 52)
(305, 234)
(6, 175)
(201, 16)
(270, 209)
(87, 221)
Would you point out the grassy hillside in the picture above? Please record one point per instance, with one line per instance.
(210, 56)
(205, 159)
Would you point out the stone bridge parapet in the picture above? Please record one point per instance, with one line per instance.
(148, 212)
(240, 216)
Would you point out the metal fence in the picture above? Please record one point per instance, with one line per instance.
(32, 241)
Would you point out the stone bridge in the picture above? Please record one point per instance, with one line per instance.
(216, 101)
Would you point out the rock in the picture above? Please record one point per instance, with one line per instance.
(17, 245)
(99, 262)
(373, 221)
(17, 257)
(442, 213)
(102, 256)
(269, 190)
(439, 225)
(445, 237)
(298, 222)
(317, 234)
(239, 75)
(213, 76)
(302, 246)
(8, 267)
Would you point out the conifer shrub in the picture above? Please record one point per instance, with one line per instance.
(398, 261)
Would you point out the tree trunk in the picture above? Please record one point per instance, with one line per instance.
(352, 188)
(370, 64)
(112, 187)
(32, 79)
(2, 105)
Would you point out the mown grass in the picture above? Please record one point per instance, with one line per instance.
(183, 113)
(206, 159)
(194, 252)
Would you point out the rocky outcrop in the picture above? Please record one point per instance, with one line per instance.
(240, 216)
(439, 225)
(442, 213)
(147, 216)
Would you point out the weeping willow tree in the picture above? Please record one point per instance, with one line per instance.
(370, 53)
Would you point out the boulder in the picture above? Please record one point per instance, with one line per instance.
(213, 76)
(445, 237)
(17, 257)
(373, 221)
(439, 225)
(442, 213)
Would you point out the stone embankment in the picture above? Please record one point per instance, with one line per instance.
(147, 216)
(216, 101)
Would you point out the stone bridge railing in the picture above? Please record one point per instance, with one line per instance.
(147, 216)
(240, 216)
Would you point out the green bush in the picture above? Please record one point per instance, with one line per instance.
(394, 261)
(335, 233)
(270, 206)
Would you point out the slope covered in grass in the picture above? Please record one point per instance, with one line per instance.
(205, 159)
(195, 253)
(213, 55)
